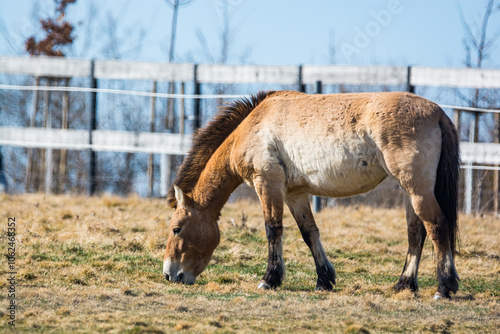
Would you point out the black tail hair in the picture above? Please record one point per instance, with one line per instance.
(447, 178)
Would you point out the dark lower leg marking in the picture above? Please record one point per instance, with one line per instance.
(324, 269)
(448, 279)
(437, 227)
(446, 272)
(326, 276)
(416, 240)
(275, 266)
(408, 279)
(406, 282)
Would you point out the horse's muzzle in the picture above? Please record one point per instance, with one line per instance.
(173, 273)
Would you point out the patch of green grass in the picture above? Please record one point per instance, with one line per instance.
(246, 237)
(481, 285)
(44, 256)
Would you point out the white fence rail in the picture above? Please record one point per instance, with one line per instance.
(166, 143)
(355, 75)
(115, 141)
(239, 74)
(480, 153)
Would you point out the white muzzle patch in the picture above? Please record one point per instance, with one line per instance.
(174, 273)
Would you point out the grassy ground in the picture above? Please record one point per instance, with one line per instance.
(94, 265)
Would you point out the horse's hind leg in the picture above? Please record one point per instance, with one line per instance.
(416, 239)
(301, 211)
(416, 178)
(271, 197)
(436, 225)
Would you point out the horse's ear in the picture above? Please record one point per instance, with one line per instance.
(182, 199)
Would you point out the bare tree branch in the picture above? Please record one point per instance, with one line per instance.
(7, 36)
(175, 4)
(204, 47)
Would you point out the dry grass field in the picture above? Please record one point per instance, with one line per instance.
(94, 265)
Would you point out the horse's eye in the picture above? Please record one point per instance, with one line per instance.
(176, 230)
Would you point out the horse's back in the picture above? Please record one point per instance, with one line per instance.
(331, 145)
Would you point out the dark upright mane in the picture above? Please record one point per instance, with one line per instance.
(206, 141)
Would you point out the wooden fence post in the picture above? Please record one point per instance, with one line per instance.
(165, 167)
(64, 125)
(170, 118)
(476, 174)
(469, 177)
(47, 161)
(496, 178)
(457, 116)
(29, 164)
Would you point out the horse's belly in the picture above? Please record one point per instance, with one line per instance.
(334, 169)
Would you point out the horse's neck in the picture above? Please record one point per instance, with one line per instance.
(216, 183)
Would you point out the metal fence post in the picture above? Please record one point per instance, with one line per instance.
(409, 87)
(92, 126)
(197, 102)
(3, 180)
(317, 199)
(300, 79)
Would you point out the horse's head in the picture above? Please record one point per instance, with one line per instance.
(192, 239)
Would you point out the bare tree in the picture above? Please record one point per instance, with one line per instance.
(58, 33)
(478, 43)
(223, 52)
(175, 4)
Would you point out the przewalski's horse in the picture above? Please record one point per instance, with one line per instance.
(288, 145)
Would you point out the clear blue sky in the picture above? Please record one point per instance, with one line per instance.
(424, 32)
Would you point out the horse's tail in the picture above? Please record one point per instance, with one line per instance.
(447, 178)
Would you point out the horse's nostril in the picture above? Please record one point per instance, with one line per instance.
(179, 278)
(166, 276)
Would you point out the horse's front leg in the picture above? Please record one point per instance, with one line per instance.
(271, 197)
(301, 211)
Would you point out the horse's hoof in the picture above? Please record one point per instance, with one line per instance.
(264, 286)
(405, 283)
(438, 295)
(324, 286)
